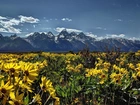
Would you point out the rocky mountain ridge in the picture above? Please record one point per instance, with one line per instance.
(64, 41)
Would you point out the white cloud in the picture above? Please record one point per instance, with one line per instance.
(9, 22)
(100, 28)
(55, 19)
(111, 36)
(47, 20)
(13, 30)
(66, 19)
(3, 30)
(134, 38)
(29, 34)
(119, 20)
(115, 36)
(26, 19)
(100, 38)
(13, 22)
(59, 29)
(8, 25)
(2, 18)
(91, 34)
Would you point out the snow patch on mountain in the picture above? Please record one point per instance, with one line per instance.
(56, 39)
(61, 36)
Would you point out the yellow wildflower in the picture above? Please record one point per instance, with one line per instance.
(131, 66)
(1, 76)
(23, 85)
(46, 85)
(134, 76)
(12, 68)
(5, 88)
(29, 71)
(16, 99)
(106, 65)
(116, 78)
(37, 99)
(57, 101)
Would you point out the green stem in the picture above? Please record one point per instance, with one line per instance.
(47, 100)
(41, 94)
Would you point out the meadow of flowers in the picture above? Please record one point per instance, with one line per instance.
(84, 78)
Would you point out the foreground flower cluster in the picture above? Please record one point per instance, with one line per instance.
(18, 79)
(69, 79)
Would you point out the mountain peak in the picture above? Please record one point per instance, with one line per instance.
(13, 35)
(35, 33)
(82, 34)
(73, 33)
(63, 42)
(50, 34)
(64, 32)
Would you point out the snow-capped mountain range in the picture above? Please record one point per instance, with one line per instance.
(64, 41)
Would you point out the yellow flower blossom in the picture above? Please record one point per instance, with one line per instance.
(12, 68)
(123, 71)
(23, 85)
(134, 76)
(116, 78)
(71, 68)
(131, 66)
(103, 78)
(5, 89)
(115, 67)
(16, 99)
(29, 71)
(106, 65)
(46, 85)
(138, 74)
(1, 76)
(37, 99)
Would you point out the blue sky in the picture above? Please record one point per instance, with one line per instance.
(99, 18)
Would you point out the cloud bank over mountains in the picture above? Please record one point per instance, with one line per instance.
(96, 18)
(59, 29)
(22, 25)
(8, 25)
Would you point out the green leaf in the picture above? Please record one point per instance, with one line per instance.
(63, 94)
(135, 92)
(26, 100)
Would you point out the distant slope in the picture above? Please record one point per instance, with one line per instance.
(64, 41)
